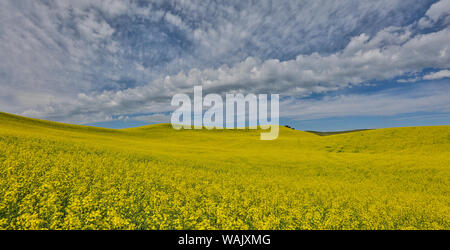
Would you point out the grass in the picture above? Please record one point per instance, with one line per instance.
(61, 176)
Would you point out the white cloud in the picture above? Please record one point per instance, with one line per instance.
(438, 11)
(437, 75)
(433, 98)
(175, 20)
(415, 79)
(94, 29)
(362, 60)
(88, 60)
(430, 76)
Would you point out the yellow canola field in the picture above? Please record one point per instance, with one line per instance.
(60, 176)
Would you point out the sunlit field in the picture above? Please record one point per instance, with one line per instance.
(58, 176)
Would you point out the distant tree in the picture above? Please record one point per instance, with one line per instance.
(287, 126)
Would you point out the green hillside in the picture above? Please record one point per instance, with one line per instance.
(61, 176)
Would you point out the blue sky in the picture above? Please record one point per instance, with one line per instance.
(336, 64)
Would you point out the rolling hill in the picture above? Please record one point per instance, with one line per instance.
(62, 176)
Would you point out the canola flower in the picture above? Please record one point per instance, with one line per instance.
(59, 176)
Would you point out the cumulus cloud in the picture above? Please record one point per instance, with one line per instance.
(439, 11)
(361, 60)
(414, 79)
(430, 98)
(437, 75)
(87, 61)
(429, 76)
